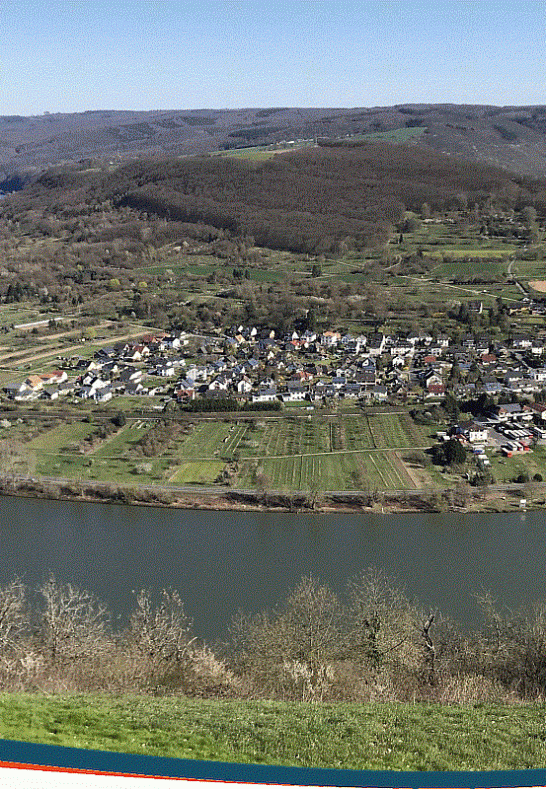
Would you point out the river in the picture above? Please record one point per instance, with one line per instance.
(224, 561)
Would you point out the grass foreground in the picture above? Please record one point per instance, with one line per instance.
(412, 737)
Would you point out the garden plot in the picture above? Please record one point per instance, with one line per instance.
(397, 431)
(383, 470)
(339, 471)
(117, 445)
(202, 472)
(211, 439)
(287, 437)
(357, 433)
(116, 460)
(61, 437)
(56, 451)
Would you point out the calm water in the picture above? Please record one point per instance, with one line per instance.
(221, 562)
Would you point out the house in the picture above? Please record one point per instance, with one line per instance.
(34, 382)
(133, 388)
(165, 370)
(15, 391)
(103, 395)
(268, 395)
(293, 394)
(244, 386)
(539, 411)
(185, 390)
(50, 393)
(521, 341)
(505, 410)
(538, 374)
(472, 432)
(130, 374)
(330, 338)
(376, 344)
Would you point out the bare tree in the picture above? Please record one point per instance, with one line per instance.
(72, 624)
(162, 636)
(13, 615)
(290, 651)
(382, 620)
(430, 652)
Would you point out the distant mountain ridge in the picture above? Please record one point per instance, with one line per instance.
(510, 137)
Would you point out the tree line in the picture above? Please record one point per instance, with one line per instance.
(373, 643)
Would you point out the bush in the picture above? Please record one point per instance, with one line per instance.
(522, 478)
(119, 420)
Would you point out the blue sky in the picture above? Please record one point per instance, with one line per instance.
(74, 55)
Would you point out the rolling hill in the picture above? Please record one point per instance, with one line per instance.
(510, 137)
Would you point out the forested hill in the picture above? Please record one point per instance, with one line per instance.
(510, 137)
(319, 199)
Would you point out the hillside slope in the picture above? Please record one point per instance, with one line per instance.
(315, 200)
(511, 137)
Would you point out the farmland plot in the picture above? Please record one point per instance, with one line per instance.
(212, 439)
(197, 473)
(339, 471)
(357, 432)
(56, 450)
(397, 431)
(59, 438)
(384, 470)
(287, 437)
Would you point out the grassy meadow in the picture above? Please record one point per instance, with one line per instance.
(345, 736)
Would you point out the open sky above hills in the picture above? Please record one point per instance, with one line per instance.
(162, 54)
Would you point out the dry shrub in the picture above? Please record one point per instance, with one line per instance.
(471, 689)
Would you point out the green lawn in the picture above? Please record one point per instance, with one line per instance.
(412, 737)
(55, 450)
(507, 469)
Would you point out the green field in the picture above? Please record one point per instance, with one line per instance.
(413, 737)
(331, 471)
(55, 449)
(203, 472)
(464, 252)
(211, 439)
(398, 431)
(461, 268)
(346, 451)
(394, 135)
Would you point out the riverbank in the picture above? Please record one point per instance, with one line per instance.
(376, 736)
(462, 499)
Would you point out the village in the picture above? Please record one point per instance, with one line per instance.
(252, 369)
